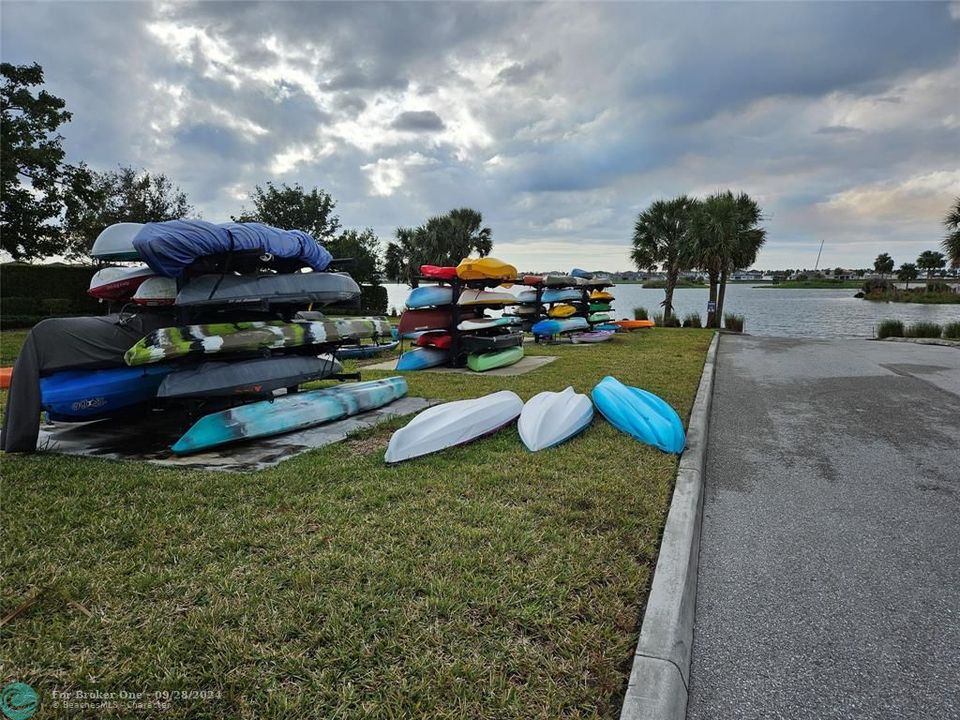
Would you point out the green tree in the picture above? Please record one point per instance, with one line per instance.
(906, 273)
(661, 237)
(930, 261)
(837, 272)
(951, 243)
(883, 264)
(34, 179)
(401, 263)
(293, 208)
(364, 247)
(124, 195)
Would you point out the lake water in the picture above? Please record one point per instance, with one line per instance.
(785, 313)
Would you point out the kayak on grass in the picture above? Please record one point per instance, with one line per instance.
(641, 414)
(550, 418)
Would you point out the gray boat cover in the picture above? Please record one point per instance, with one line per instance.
(82, 343)
(246, 377)
(302, 288)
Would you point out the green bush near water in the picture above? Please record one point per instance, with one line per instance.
(692, 320)
(923, 330)
(890, 328)
(733, 322)
(640, 313)
(951, 331)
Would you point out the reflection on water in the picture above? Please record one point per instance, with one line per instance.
(810, 313)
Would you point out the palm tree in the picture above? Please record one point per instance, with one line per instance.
(660, 236)
(883, 264)
(951, 243)
(931, 261)
(402, 259)
(906, 273)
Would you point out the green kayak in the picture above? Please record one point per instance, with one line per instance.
(215, 338)
(599, 307)
(599, 317)
(481, 362)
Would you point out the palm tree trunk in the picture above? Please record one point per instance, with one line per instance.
(712, 316)
(668, 293)
(720, 295)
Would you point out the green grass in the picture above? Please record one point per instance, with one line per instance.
(916, 295)
(660, 284)
(481, 582)
(812, 284)
(10, 343)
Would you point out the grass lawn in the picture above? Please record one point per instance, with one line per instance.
(481, 582)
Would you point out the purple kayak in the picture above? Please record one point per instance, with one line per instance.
(591, 337)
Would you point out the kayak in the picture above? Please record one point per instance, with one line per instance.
(550, 418)
(439, 339)
(532, 279)
(599, 317)
(6, 375)
(486, 268)
(192, 340)
(359, 352)
(489, 343)
(561, 295)
(422, 358)
(81, 395)
(296, 411)
(558, 281)
(487, 323)
(116, 242)
(481, 362)
(437, 272)
(528, 309)
(453, 423)
(591, 337)
(599, 307)
(635, 324)
(486, 297)
(582, 274)
(527, 297)
(322, 288)
(641, 414)
(118, 283)
(429, 296)
(561, 311)
(246, 377)
(156, 291)
(555, 327)
(427, 319)
(601, 296)
(607, 327)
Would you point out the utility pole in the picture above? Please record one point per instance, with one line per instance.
(818, 256)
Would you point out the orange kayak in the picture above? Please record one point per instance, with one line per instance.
(635, 324)
(5, 375)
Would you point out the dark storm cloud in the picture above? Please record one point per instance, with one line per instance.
(418, 121)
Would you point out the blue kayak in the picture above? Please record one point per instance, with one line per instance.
(552, 295)
(578, 273)
(354, 352)
(422, 358)
(608, 327)
(430, 296)
(555, 327)
(81, 395)
(639, 413)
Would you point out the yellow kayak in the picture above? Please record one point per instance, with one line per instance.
(487, 268)
(601, 295)
(561, 311)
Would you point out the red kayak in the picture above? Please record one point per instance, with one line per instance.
(440, 340)
(438, 273)
(426, 319)
(532, 279)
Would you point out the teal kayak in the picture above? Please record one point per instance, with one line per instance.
(639, 413)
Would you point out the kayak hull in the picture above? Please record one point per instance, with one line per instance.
(245, 377)
(359, 352)
(635, 324)
(116, 242)
(421, 359)
(554, 295)
(439, 339)
(118, 284)
(438, 272)
(489, 343)
(591, 337)
(486, 297)
(550, 418)
(288, 413)
(487, 323)
(320, 288)
(429, 296)
(641, 414)
(156, 291)
(487, 268)
(482, 362)
(555, 327)
(561, 311)
(82, 395)
(427, 319)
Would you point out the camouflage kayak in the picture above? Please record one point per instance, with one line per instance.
(192, 340)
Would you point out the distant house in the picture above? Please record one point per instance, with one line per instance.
(747, 275)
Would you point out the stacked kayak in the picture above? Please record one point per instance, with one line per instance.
(571, 306)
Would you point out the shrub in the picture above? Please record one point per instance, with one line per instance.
(672, 321)
(640, 313)
(951, 331)
(658, 319)
(938, 286)
(56, 306)
(692, 320)
(877, 285)
(923, 330)
(890, 328)
(733, 322)
(18, 306)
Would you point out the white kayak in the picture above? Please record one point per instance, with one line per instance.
(156, 291)
(486, 297)
(116, 242)
(453, 423)
(487, 323)
(550, 418)
(118, 283)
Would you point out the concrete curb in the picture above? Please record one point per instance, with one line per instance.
(660, 676)
(923, 341)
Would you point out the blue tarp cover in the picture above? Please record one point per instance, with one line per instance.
(169, 247)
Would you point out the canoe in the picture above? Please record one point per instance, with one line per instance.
(481, 362)
(287, 413)
(486, 297)
(118, 284)
(591, 337)
(561, 311)
(635, 324)
(156, 291)
(555, 327)
(81, 395)
(486, 268)
(582, 274)
(430, 296)
(550, 418)
(437, 272)
(489, 343)
(439, 339)
(359, 352)
(246, 377)
(322, 288)
(599, 307)
(6, 375)
(599, 317)
(559, 281)
(453, 423)
(244, 337)
(532, 279)
(639, 413)
(601, 296)
(561, 295)
(422, 358)
(427, 319)
(487, 323)
(116, 242)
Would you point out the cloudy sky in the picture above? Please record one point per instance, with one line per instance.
(558, 121)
